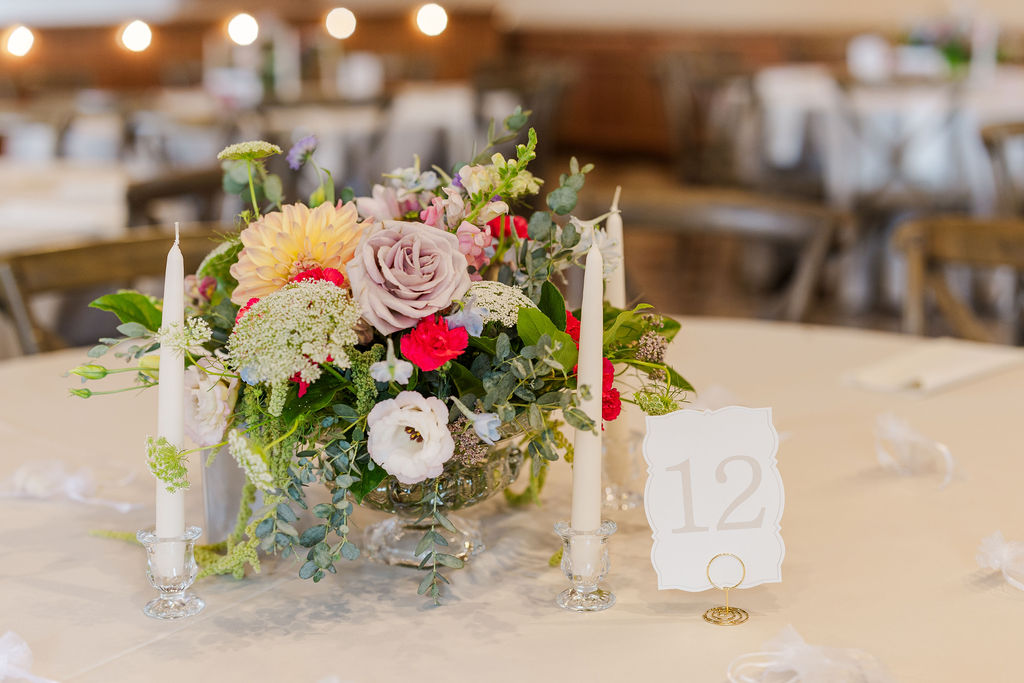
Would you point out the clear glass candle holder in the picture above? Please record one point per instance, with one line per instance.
(585, 563)
(171, 568)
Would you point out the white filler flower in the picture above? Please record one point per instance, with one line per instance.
(501, 301)
(409, 436)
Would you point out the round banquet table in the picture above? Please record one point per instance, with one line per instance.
(873, 561)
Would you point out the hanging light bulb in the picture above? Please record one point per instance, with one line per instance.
(137, 36)
(243, 29)
(341, 23)
(19, 41)
(432, 19)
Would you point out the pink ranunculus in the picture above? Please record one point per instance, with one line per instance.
(473, 242)
(404, 272)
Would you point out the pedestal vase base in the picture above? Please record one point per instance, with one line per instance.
(394, 540)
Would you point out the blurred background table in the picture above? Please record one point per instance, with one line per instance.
(874, 561)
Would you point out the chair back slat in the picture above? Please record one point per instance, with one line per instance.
(931, 244)
(112, 262)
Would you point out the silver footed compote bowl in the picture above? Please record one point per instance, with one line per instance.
(394, 540)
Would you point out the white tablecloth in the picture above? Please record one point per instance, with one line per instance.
(874, 561)
(854, 131)
(48, 202)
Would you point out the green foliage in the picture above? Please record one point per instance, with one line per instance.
(131, 307)
(552, 304)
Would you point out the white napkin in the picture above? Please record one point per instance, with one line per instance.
(16, 660)
(1008, 558)
(787, 658)
(907, 452)
(51, 478)
(933, 365)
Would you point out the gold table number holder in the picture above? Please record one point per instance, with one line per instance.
(726, 615)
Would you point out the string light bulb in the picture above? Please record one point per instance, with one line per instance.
(137, 36)
(341, 23)
(19, 41)
(243, 29)
(432, 19)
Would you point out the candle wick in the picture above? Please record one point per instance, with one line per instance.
(615, 200)
(176, 234)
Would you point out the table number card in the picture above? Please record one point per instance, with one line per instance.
(713, 487)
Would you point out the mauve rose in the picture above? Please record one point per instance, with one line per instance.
(403, 272)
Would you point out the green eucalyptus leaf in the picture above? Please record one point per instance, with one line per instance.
(349, 551)
(285, 512)
(449, 560)
(313, 535)
(98, 350)
(264, 528)
(562, 200)
(307, 570)
(570, 236)
(539, 226)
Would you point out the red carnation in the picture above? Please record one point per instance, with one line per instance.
(327, 274)
(500, 226)
(572, 327)
(607, 374)
(611, 404)
(245, 309)
(431, 344)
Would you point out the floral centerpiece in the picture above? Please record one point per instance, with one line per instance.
(387, 340)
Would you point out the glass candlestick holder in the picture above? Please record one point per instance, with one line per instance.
(171, 568)
(585, 563)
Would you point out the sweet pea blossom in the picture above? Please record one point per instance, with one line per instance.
(409, 437)
(476, 245)
(469, 316)
(392, 368)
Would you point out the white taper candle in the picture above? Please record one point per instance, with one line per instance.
(616, 292)
(586, 466)
(170, 507)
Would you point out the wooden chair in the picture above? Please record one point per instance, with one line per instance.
(1010, 196)
(143, 253)
(811, 228)
(201, 185)
(932, 243)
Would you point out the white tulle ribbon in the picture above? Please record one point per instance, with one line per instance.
(1003, 556)
(16, 660)
(905, 451)
(51, 479)
(787, 658)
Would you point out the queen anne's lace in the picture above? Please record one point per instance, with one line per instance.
(189, 337)
(502, 302)
(291, 332)
(253, 463)
(254, 149)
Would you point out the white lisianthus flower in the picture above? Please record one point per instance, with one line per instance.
(209, 401)
(409, 436)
